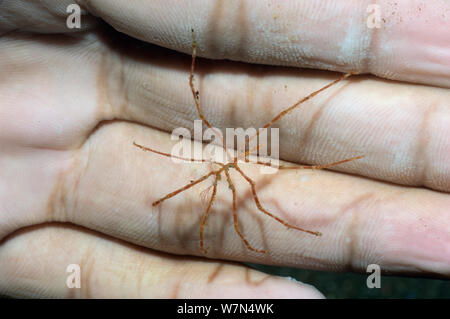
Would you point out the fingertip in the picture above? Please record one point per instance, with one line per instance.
(271, 287)
(298, 290)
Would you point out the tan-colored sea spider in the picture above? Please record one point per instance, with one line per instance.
(234, 163)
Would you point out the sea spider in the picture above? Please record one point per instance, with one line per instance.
(234, 163)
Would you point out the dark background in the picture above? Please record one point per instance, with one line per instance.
(349, 285)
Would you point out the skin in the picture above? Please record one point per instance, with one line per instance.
(74, 189)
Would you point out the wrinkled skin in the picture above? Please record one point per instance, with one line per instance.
(74, 189)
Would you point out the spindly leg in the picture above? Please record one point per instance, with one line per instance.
(191, 82)
(195, 95)
(148, 149)
(263, 210)
(301, 101)
(201, 179)
(324, 165)
(206, 214)
(235, 218)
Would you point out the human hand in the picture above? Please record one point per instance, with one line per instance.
(74, 189)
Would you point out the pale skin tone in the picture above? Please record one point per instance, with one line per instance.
(74, 189)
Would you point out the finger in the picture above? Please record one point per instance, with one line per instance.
(109, 268)
(401, 129)
(112, 186)
(287, 33)
(410, 42)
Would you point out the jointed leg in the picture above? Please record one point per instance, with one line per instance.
(201, 179)
(191, 82)
(206, 214)
(235, 218)
(195, 94)
(324, 165)
(258, 204)
(311, 166)
(145, 148)
(301, 101)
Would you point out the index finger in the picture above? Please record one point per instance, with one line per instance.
(405, 40)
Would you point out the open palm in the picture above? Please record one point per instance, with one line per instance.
(74, 189)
